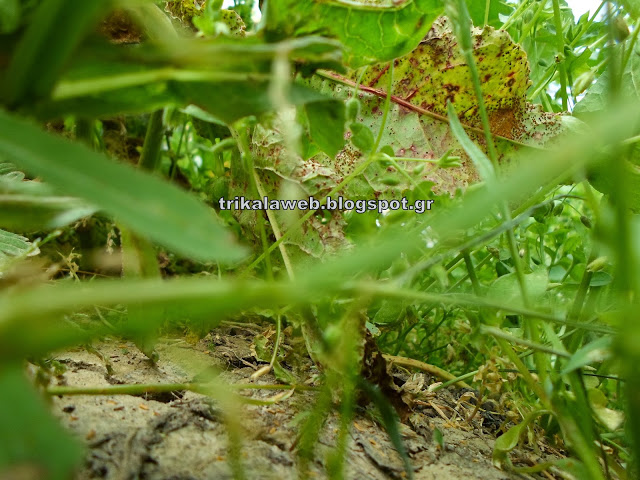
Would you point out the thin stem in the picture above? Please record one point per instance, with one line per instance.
(487, 9)
(557, 17)
(515, 15)
(150, 157)
(425, 367)
(534, 20)
(387, 107)
(472, 273)
(142, 389)
(632, 45)
(524, 371)
(276, 345)
(415, 108)
(275, 228)
(348, 179)
(388, 290)
(84, 131)
(536, 347)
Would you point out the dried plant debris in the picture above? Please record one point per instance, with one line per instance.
(185, 435)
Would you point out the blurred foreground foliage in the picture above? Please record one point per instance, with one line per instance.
(123, 124)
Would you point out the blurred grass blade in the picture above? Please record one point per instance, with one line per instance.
(480, 160)
(390, 420)
(596, 351)
(57, 28)
(25, 213)
(32, 441)
(30, 206)
(148, 205)
(29, 319)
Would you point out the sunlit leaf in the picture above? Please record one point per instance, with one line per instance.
(610, 418)
(596, 351)
(370, 31)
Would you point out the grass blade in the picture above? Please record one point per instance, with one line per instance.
(150, 206)
(56, 30)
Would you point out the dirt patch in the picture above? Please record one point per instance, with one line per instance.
(182, 435)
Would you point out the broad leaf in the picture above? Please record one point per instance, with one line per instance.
(596, 351)
(597, 97)
(370, 31)
(610, 418)
(477, 10)
(507, 288)
(423, 83)
(326, 125)
(152, 207)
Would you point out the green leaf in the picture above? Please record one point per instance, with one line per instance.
(389, 420)
(14, 246)
(596, 100)
(439, 438)
(510, 439)
(283, 375)
(506, 288)
(31, 439)
(56, 30)
(215, 75)
(370, 31)
(505, 443)
(361, 137)
(480, 160)
(597, 97)
(389, 312)
(148, 205)
(477, 10)
(632, 6)
(611, 419)
(28, 206)
(27, 213)
(10, 13)
(326, 125)
(596, 351)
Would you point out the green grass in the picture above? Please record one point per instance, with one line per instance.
(523, 284)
